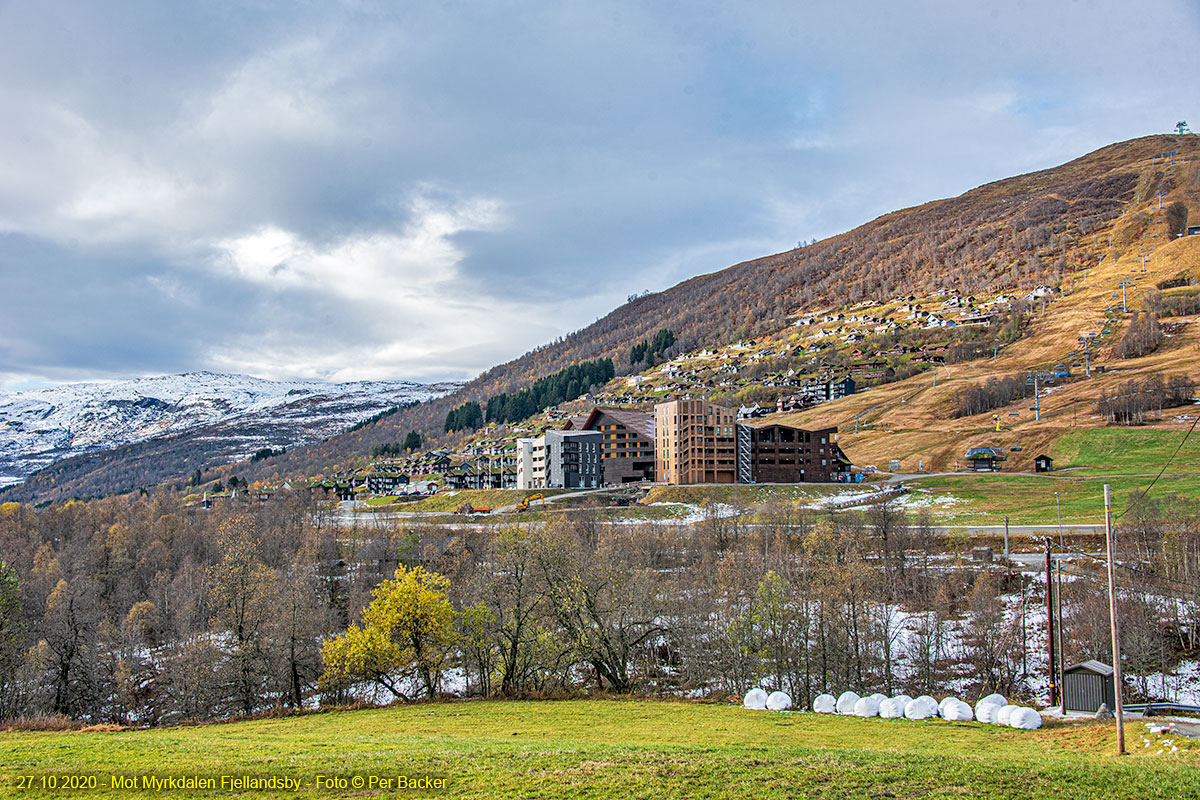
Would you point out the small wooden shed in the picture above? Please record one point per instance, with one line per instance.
(1086, 685)
(1043, 463)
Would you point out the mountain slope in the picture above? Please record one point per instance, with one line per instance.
(1014, 233)
(1045, 227)
(202, 418)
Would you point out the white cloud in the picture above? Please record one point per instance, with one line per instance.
(381, 268)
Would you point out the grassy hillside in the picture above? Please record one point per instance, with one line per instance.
(623, 749)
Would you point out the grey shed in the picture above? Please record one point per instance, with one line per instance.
(1087, 685)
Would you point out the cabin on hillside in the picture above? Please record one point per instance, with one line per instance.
(1043, 463)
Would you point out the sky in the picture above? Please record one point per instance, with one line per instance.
(381, 190)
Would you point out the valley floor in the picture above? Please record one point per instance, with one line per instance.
(617, 749)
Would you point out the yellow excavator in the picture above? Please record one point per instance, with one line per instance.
(524, 504)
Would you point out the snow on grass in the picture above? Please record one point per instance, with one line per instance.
(923, 498)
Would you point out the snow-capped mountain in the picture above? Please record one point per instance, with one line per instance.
(41, 426)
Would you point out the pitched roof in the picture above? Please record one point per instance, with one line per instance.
(1092, 666)
(639, 422)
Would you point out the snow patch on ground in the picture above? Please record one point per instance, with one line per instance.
(923, 498)
(844, 497)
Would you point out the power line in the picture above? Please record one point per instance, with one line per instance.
(1126, 567)
(1166, 463)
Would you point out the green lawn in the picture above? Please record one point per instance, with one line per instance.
(620, 749)
(1125, 450)
(1028, 500)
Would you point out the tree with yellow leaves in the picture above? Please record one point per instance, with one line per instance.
(407, 632)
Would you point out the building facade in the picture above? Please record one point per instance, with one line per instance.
(572, 460)
(695, 442)
(525, 464)
(627, 446)
(783, 454)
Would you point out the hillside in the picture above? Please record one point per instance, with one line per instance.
(1053, 228)
(1046, 228)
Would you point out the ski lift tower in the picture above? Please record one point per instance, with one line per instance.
(1035, 379)
(1124, 285)
(1086, 340)
(1144, 257)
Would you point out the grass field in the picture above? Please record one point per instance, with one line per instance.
(486, 498)
(1030, 500)
(746, 495)
(1126, 450)
(618, 749)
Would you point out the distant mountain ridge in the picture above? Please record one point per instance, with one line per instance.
(243, 413)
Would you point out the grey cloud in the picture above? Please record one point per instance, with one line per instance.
(621, 145)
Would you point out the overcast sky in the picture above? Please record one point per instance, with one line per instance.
(422, 190)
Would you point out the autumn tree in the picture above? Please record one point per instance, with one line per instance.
(407, 634)
(12, 636)
(244, 601)
(604, 604)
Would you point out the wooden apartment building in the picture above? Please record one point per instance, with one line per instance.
(695, 442)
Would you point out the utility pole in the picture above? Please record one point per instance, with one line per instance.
(1112, 616)
(1006, 538)
(1050, 627)
(1062, 650)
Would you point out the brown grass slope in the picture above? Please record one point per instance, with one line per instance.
(911, 420)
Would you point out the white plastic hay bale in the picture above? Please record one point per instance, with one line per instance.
(893, 707)
(930, 704)
(756, 699)
(1025, 719)
(846, 701)
(986, 712)
(866, 707)
(779, 701)
(824, 704)
(915, 709)
(942, 705)
(879, 697)
(957, 711)
(902, 699)
(1002, 716)
(995, 699)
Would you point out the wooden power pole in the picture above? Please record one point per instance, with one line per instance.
(1112, 616)
(1050, 627)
